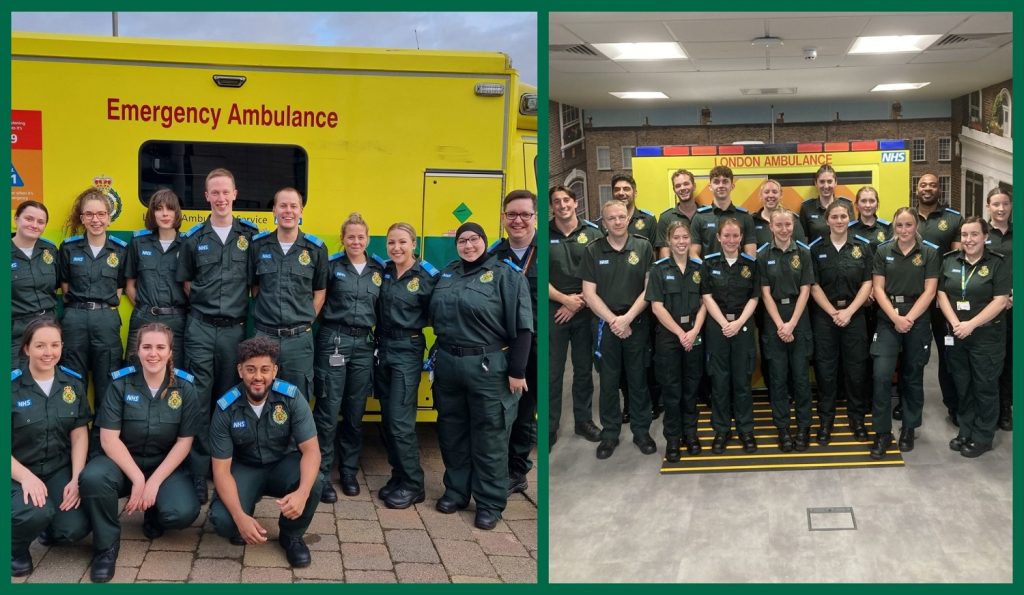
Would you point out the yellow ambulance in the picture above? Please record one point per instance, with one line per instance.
(433, 138)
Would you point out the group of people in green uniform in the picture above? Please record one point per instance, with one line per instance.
(832, 286)
(193, 397)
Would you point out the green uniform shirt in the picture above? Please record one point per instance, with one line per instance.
(41, 424)
(351, 297)
(566, 252)
(487, 306)
(812, 217)
(218, 272)
(730, 286)
(876, 234)
(763, 229)
(642, 223)
(618, 274)
(666, 219)
(285, 422)
(92, 278)
(1001, 243)
(404, 302)
(704, 228)
(149, 425)
(286, 281)
(841, 273)
(941, 227)
(905, 275)
(34, 280)
(785, 271)
(528, 264)
(971, 287)
(677, 289)
(155, 271)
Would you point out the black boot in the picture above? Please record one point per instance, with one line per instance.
(785, 440)
(825, 433)
(749, 443)
(881, 446)
(803, 439)
(103, 563)
(672, 450)
(720, 442)
(21, 564)
(897, 411)
(1006, 418)
(693, 446)
(906, 439)
(860, 433)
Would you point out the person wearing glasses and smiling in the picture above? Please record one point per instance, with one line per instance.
(520, 249)
(484, 326)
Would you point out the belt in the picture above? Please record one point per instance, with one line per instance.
(283, 331)
(463, 351)
(841, 303)
(39, 314)
(730, 316)
(90, 306)
(903, 299)
(354, 331)
(786, 300)
(155, 311)
(220, 321)
(399, 333)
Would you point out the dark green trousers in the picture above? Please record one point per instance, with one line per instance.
(397, 380)
(176, 322)
(29, 520)
(912, 350)
(975, 363)
(296, 362)
(620, 356)
(679, 372)
(523, 436)
(102, 482)
(342, 389)
(789, 369)
(475, 412)
(578, 333)
(92, 346)
(276, 480)
(731, 367)
(211, 355)
(835, 347)
(946, 384)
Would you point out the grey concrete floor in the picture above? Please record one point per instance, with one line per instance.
(941, 518)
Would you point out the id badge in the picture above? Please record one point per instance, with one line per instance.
(949, 340)
(336, 360)
(963, 305)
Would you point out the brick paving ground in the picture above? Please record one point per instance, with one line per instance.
(356, 540)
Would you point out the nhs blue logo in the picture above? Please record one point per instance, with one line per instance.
(894, 157)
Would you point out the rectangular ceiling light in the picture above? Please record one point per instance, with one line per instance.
(899, 86)
(639, 94)
(641, 51)
(892, 44)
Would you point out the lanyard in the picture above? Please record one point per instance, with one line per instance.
(965, 278)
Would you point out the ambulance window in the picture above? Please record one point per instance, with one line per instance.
(260, 170)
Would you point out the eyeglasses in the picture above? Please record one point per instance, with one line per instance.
(91, 215)
(469, 240)
(523, 216)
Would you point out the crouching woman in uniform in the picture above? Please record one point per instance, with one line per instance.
(673, 288)
(973, 292)
(147, 422)
(49, 443)
(482, 318)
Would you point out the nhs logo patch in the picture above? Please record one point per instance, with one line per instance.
(266, 256)
(238, 424)
(894, 157)
(25, 403)
(132, 398)
(77, 259)
(147, 253)
(605, 261)
(203, 247)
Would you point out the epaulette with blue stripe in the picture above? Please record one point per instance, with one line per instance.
(646, 212)
(494, 246)
(285, 388)
(185, 376)
(46, 241)
(248, 223)
(661, 260)
(514, 266)
(696, 260)
(72, 239)
(431, 269)
(383, 263)
(117, 241)
(70, 372)
(862, 238)
(229, 397)
(889, 241)
(763, 246)
(260, 235)
(882, 221)
(336, 256)
(194, 229)
(799, 243)
(705, 209)
(816, 240)
(748, 257)
(15, 374)
(952, 252)
(712, 255)
(954, 211)
(314, 240)
(741, 209)
(852, 223)
(122, 372)
(591, 224)
(142, 232)
(927, 243)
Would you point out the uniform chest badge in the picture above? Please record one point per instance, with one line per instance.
(943, 225)
(47, 257)
(918, 260)
(856, 253)
(581, 239)
(795, 261)
(242, 243)
(304, 258)
(376, 279)
(69, 394)
(174, 401)
(983, 271)
(881, 236)
(413, 285)
(696, 277)
(280, 415)
(487, 277)
(745, 272)
(640, 224)
(633, 258)
(112, 260)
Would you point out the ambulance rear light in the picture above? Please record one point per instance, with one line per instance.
(232, 81)
(528, 104)
(489, 89)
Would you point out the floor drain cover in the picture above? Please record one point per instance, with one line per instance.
(831, 519)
